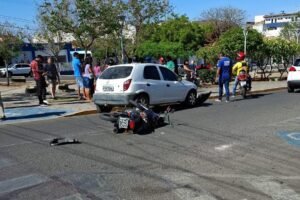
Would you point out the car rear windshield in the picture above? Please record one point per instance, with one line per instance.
(116, 72)
(297, 62)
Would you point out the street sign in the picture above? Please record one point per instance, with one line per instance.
(291, 137)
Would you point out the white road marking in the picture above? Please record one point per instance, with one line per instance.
(294, 135)
(183, 184)
(274, 189)
(11, 185)
(76, 196)
(223, 147)
(5, 163)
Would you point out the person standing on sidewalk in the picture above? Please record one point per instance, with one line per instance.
(224, 76)
(52, 76)
(39, 77)
(78, 75)
(88, 78)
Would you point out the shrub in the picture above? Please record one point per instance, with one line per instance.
(207, 76)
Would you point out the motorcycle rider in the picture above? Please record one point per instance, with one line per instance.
(237, 68)
(189, 72)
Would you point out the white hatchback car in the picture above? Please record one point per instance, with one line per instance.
(150, 84)
(293, 80)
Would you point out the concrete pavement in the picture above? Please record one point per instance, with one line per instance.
(23, 108)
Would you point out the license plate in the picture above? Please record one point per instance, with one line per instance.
(243, 83)
(123, 122)
(108, 88)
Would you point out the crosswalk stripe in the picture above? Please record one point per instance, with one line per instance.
(183, 183)
(274, 189)
(22, 182)
(76, 196)
(5, 163)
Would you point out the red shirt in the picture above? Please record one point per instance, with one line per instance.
(35, 70)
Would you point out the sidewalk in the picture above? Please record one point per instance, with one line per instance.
(257, 86)
(20, 107)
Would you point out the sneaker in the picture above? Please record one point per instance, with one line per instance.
(45, 102)
(43, 105)
(233, 96)
(218, 100)
(227, 101)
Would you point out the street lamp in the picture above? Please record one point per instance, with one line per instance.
(245, 32)
(122, 23)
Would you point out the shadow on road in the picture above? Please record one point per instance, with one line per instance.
(252, 96)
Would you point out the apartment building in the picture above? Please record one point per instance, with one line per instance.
(271, 25)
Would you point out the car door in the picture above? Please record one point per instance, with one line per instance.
(175, 90)
(153, 84)
(25, 70)
(17, 69)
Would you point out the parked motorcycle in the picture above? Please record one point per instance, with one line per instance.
(243, 83)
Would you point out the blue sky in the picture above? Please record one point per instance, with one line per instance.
(22, 12)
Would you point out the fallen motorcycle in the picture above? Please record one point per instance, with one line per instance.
(141, 119)
(138, 119)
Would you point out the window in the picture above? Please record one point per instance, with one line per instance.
(26, 66)
(116, 72)
(19, 66)
(167, 74)
(151, 72)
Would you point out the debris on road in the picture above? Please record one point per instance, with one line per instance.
(63, 141)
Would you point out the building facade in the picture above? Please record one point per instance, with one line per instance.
(272, 25)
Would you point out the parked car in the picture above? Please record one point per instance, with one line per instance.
(20, 69)
(293, 80)
(149, 84)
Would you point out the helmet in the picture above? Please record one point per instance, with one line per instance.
(240, 56)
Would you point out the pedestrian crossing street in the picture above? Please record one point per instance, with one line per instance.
(185, 186)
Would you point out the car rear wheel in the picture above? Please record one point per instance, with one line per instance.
(142, 99)
(191, 99)
(290, 89)
(103, 109)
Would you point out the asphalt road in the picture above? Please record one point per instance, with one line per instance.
(227, 151)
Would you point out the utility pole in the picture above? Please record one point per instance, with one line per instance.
(122, 21)
(245, 32)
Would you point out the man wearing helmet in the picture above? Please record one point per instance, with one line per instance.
(237, 68)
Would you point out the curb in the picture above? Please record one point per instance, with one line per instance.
(81, 113)
(256, 91)
(91, 112)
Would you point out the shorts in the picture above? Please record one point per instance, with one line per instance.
(52, 82)
(87, 82)
(79, 81)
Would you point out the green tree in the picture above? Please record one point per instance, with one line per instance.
(178, 34)
(282, 52)
(141, 13)
(161, 49)
(85, 20)
(10, 44)
(232, 42)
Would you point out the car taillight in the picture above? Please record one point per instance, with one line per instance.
(292, 69)
(126, 85)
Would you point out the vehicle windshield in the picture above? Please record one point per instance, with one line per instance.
(117, 72)
(297, 62)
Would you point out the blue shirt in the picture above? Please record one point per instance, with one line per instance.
(76, 67)
(225, 65)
